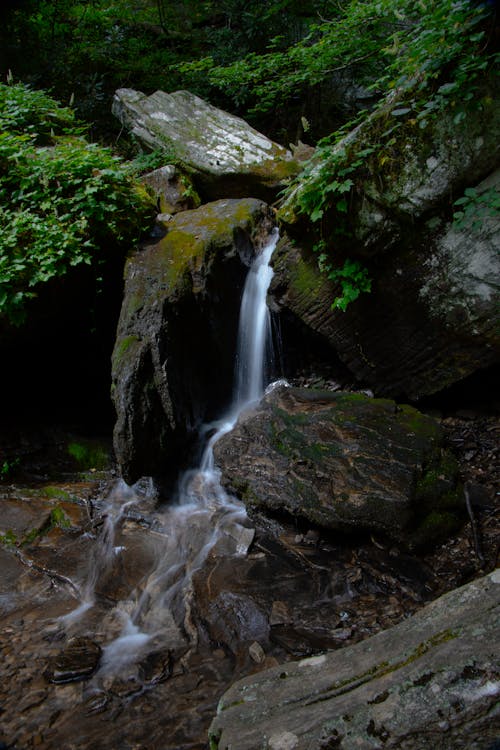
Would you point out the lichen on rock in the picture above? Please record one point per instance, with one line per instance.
(224, 155)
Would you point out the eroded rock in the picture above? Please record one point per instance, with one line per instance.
(431, 318)
(172, 190)
(344, 461)
(77, 661)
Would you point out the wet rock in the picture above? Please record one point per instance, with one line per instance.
(432, 679)
(236, 618)
(344, 461)
(226, 157)
(156, 667)
(236, 540)
(280, 614)
(428, 322)
(78, 660)
(96, 702)
(180, 308)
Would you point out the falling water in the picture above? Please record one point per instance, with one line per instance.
(205, 516)
(254, 335)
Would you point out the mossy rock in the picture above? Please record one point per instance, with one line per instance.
(172, 364)
(345, 461)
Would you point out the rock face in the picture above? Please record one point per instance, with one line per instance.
(433, 680)
(431, 318)
(181, 305)
(227, 157)
(344, 461)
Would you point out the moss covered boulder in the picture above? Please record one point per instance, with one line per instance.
(224, 155)
(344, 461)
(172, 364)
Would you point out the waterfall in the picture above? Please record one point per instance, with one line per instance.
(254, 346)
(254, 335)
(204, 515)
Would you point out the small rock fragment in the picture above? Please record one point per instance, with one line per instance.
(256, 653)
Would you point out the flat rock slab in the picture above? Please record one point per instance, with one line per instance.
(227, 157)
(431, 681)
(343, 461)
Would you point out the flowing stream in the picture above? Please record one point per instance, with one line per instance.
(203, 519)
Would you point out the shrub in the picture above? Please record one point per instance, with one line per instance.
(63, 201)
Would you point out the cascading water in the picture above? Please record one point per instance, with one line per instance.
(254, 334)
(204, 516)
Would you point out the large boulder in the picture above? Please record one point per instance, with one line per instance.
(408, 172)
(431, 318)
(431, 681)
(225, 156)
(181, 303)
(343, 461)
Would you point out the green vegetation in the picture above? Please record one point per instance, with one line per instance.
(63, 201)
(89, 455)
(474, 207)
(436, 55)
(290, 67)
(8, 468)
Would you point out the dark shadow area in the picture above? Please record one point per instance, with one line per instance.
(56, 366)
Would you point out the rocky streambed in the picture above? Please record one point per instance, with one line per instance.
(296, 592)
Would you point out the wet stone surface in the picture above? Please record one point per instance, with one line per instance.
(298, 591)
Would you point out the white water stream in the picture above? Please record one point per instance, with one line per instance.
(205, 516)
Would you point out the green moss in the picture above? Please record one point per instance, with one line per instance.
(179, 250)
(291, 443)
(53, 492)
(384, 668)
(437, 488)
(276, 170)
(57, 519)
(246, 494)
(89, 454)
(418, 423)
(8, 539)
(436, 526)
(306, 279)
(122, 347)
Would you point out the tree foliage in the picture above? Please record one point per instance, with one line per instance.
(90, 48)
(288, 65)
(63, 201)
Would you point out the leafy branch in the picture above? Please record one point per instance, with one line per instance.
(62, 204)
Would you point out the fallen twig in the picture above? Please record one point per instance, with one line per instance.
(475, 531)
